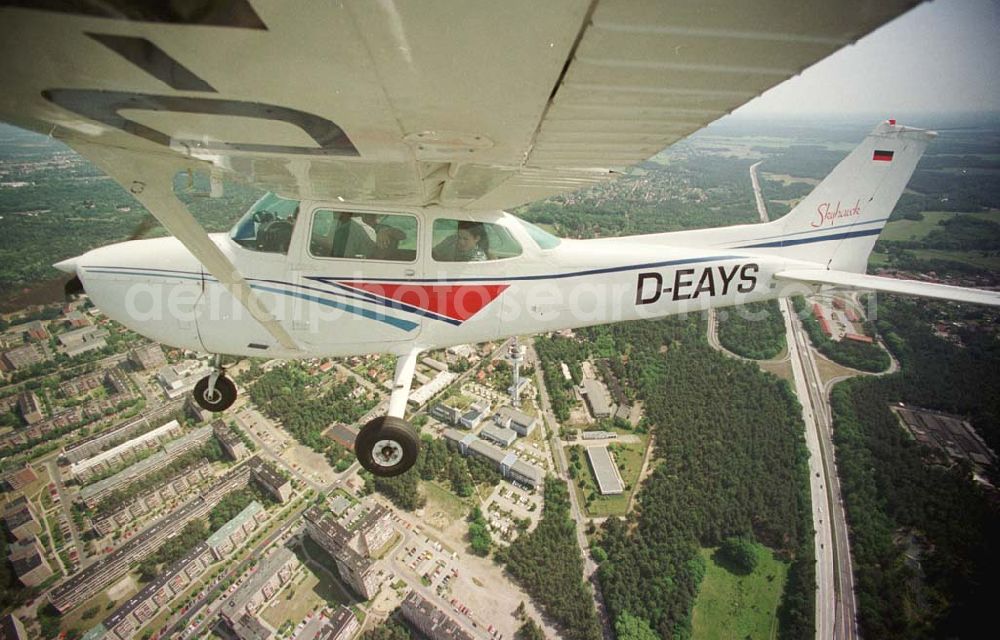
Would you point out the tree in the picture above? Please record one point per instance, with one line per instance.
(479, 534)
(629, 627)
(529, 631)
(738, 554)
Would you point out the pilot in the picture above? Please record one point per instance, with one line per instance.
(351, 238)
(468, 244)
(387, 238)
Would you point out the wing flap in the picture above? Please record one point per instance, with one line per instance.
(891, 285)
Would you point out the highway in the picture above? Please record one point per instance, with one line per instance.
(836, 607)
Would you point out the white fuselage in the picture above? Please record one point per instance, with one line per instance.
(338, 307)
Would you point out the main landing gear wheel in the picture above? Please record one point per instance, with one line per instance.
(387, 446)
(218, 399)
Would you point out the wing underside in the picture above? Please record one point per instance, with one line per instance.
(469, 105)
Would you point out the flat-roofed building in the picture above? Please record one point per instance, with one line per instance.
(12, 629)
(521, 472)
(105, 439)
(28, 560)
(20, 478)
(78, 341)
(437, 384)
(30, 407)
(92, 493)
(609, 481)
(230, 535)
(519, 421)
(431, 621)
(92, 578)
(437, 365)
(446, 414)
(148, 357)
(35, 330)
(248, 627)
(341, 625)
(509, 465)
(180, 378)
(598, 435)
(272, 480)
(498, 435)
(230, 440)
(23, 357)
(19, 519)
(273, 572)
(597, 398)
(85, 469)
(342, 434)
(128, 619)
(351, 547)
(108, 517)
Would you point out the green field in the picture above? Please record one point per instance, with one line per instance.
(972, 258)
(734, 607)
(917, 229)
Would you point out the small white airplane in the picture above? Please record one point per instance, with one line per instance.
(391, 136)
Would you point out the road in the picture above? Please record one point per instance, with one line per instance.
(836, 614)
(562, 465)
(757, 193)
(836, 607)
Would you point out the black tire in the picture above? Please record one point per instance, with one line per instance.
(394, 430)
(225, 394)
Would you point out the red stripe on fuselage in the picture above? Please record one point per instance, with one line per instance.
(455, 301)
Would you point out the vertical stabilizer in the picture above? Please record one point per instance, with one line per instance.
(838, 223)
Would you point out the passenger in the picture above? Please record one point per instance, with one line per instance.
(468, 244)
(351, 238)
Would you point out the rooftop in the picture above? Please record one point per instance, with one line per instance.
(235, 606)
(222, 534)
(608, 480)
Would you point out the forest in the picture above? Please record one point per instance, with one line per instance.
(924, 534)
(289, 395)
(857, 355)
(755, 330)
(548, 564)
(732, 462)
(663, 194)
(438, 461)
(64, 206)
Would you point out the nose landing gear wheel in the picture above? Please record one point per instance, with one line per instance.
(387, 446)
(220, 398)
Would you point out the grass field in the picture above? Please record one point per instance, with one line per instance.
(734, 607)
(629, 454)
(917, 229)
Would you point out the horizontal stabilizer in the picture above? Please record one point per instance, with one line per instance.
(891, 285)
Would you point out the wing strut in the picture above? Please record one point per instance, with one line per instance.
(150, 179)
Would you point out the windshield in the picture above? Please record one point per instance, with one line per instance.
(267, 226)
(544, 239)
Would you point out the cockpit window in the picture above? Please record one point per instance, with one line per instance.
(468, 241)
(267, 226)
(363, 236)
(544, 239)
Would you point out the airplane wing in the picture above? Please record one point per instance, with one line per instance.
(890, 285)
(474, 105)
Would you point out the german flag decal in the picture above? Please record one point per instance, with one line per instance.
(882, 156)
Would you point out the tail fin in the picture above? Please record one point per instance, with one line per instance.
(838, 223)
